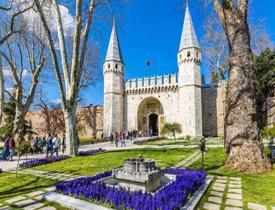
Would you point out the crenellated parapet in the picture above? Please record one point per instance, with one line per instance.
(160, 83)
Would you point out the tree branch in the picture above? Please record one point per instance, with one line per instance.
(53, 52)
(61, 39)
(75, 54)
(11, 28)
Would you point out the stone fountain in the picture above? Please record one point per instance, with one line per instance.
(138, 174)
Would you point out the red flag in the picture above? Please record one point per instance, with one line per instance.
(148, 62)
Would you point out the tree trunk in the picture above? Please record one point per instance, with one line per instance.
(242, 139)
(19, 121)
(2, 81)
(71, 132)
(19, 128)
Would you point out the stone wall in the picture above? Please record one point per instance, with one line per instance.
(213, 98)
(90, 118)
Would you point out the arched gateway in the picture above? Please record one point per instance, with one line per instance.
(150, 115)
(139, 103)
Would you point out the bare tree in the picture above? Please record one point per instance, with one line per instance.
(25, 56)
(12, 11)
(242, 138)
(216, 47)
(69, 74)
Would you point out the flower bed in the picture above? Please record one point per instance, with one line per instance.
(91, 152)
(42, 161)
(172, 196)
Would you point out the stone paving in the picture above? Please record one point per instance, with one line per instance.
(226, 191)
(30, 201)
(34, 200)
(50, 175)
(189, 160)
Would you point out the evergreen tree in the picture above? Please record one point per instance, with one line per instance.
(264, 69)
(9, 113)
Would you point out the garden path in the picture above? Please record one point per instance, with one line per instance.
(189, 160)
(226, 193)
(30, 201)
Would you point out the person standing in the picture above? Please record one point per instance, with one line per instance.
(11, 148)
(63, 143)
(111, 137)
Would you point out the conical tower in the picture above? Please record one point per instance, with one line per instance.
(113, 71)
(189, 59)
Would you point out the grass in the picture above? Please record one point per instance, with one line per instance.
(12, 186)
(256, 188)
(185, 142)
(94, 164)
(84, 140)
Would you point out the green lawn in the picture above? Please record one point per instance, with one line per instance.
(94, 164)
(185, 142)
(256, 188)
(12, 186)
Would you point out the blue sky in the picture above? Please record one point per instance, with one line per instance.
(151, 29)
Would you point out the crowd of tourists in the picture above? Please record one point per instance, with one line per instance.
(122, 136)
(49, 145)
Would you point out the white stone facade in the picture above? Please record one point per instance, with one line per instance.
(147, 103)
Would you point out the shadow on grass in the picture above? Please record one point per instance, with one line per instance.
(214, 167)
(23, 188)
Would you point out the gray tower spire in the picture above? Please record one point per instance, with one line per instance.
(113, 52)
(188, 36)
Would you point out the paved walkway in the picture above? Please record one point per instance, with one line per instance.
(189, 160)
(29, 201)
(226, 193)
(50, 175)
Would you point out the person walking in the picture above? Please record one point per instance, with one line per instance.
(5, 150)
(116, 139)
(11, 148)
(123, 139)
(49, 145)
(55, 144)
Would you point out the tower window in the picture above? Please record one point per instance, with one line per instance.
(188, 54)
(180, 57)
(197, 54)
(109, 66)
(116, 66)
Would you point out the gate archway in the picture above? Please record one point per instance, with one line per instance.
(150, 116)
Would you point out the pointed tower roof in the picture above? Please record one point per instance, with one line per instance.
(113, 52)
(188, 36)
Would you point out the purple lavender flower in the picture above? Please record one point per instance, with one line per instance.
(172, 196)
(91, 152)
(42, 161)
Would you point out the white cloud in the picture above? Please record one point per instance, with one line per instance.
(7, 72)
(33, 20)
(56, 101)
